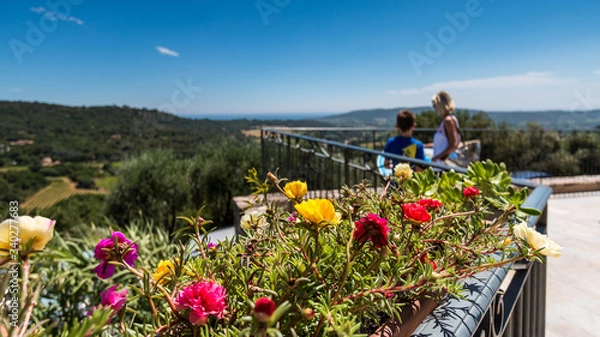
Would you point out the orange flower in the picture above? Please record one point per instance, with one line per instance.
(319, 212)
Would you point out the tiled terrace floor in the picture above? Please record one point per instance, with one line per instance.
(573, 286)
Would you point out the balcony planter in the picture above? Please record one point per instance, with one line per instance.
(411, 316)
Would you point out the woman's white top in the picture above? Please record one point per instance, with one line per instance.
(440, 139)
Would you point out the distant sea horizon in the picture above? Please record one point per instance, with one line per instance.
(261, 116)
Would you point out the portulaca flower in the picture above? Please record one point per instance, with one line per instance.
(252, 220)
(536, 240)
(403, 170)
(26, 228)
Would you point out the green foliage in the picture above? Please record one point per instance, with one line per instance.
(71, 287)
(18, 185)
(158, 185)
(108, 133)
(325, 279)
(216, 176)
(152, 186)
(75, 214)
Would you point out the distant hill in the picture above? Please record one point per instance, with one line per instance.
(32, 131)
(552, 119)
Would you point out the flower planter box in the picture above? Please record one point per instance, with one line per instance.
(412, 316)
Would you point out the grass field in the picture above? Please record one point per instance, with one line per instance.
(106, 183)
(59, 189)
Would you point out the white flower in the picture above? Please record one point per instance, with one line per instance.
(26, 228)
(403, 170)
(536, 240)
(252, 220)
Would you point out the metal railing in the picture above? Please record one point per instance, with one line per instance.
(547, 152)
(501, 302)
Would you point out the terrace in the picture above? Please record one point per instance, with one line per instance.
(502, 302)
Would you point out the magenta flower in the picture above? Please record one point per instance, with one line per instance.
(113, 299)
(202, 299)
(211, 245)
(373, 228)
(292, 218)
(106, 252)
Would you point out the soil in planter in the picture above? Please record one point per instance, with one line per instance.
(369, 325)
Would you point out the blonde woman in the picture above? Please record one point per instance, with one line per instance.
(447, 137)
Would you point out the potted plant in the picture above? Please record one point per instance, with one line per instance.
(328, 267)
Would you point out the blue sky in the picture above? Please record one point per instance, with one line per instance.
(301, 56)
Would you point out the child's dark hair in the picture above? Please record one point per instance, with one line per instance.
(405, 120)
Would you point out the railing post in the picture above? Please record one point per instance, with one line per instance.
(346, 169)
(288, 160)
(373, 138)
(263, 156)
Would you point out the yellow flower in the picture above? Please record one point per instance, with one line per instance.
(319, 212)
(164, 271)
(26, 228)
(295, 189)
(403, 170)
(252, 220)
(536, 240)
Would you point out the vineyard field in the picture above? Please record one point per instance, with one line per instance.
(59, 189)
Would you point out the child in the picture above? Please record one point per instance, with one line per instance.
(404, 144)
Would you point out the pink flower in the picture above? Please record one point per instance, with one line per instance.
(415, 212)
(292, 218)
(263, 309)
(211, 245)
(106, 252)
(372, 228)
(470, 192)
(430, 204)
(203, 299)
(113, 299)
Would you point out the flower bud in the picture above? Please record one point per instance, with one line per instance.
(308, 313)
(263, 309)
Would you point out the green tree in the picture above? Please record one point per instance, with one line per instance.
(152, 186)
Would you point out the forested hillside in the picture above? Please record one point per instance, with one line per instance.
(551, 119)
(31, 131)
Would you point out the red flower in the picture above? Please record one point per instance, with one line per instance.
(470, 192)
(203, 298)
(264, 308)
(415, 212)
(430, 204)
(425, 259)
(373, 228)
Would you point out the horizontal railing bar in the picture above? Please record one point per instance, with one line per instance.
(387, 129)
(517, 182)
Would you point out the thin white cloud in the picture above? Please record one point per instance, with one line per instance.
(55, 17)
(15, 90)
(38, 10)
(597, 71)
(530, 79)
(167, 51)
(74, 19)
